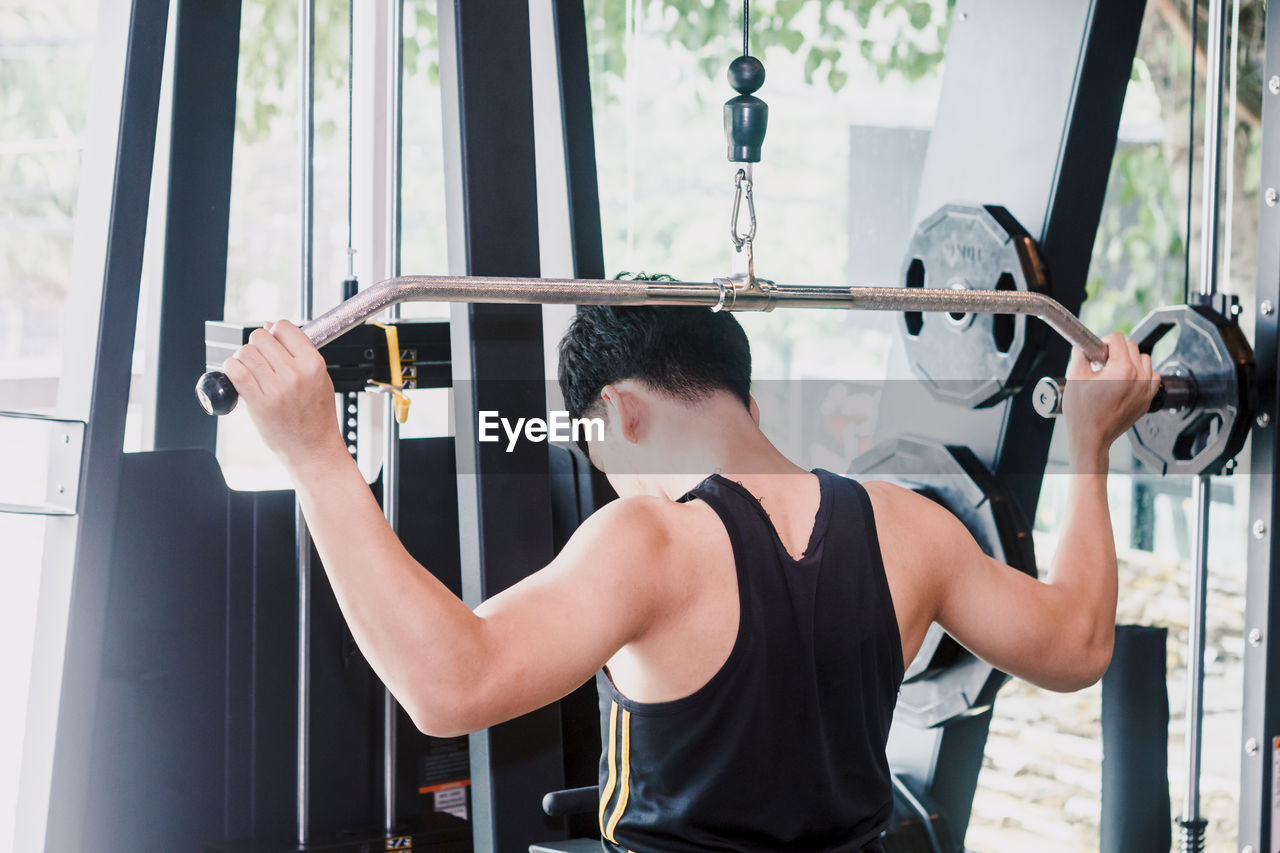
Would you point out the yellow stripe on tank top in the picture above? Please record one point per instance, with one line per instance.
(624, 790)
(613, 767)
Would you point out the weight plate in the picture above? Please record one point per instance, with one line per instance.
(944, 680)
(1212, 352)
(973, 360)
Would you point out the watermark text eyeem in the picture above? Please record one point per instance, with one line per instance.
(557, 427)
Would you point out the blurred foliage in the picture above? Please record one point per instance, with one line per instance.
(822, 30)
(269, 51)
(268, 84)
(44, 92)
(711, 30)
(1138, 252)
(1137, 260)
(420, 43)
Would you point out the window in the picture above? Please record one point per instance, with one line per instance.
(263, 251)
(46, 56)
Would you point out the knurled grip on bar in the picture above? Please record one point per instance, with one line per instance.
(218, 396)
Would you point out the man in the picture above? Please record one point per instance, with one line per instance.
(748, 620)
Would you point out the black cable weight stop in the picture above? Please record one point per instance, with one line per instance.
(1191, 835)
(746, 117)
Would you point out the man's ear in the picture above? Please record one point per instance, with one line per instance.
(627, 411)
(754, 410)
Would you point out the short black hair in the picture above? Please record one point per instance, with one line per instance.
(685, 352)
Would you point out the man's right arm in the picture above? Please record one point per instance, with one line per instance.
(453, 670)
(1055, 633)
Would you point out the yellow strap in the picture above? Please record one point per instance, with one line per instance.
(624, 788)
(396, 386)
(607, 793)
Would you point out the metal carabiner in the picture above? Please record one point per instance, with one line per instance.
(739, 240)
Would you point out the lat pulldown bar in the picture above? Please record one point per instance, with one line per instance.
(218, 396)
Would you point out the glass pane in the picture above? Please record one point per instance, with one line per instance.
(262, 266)
(423, 239)
(23, 536)
(46, 50)
(852, 95)
(262, 254)
(850, 108)
(424, 247)
(46, 54)
(262, 239)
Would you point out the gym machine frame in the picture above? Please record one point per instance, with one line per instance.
(1259, 744)
(1057, 193)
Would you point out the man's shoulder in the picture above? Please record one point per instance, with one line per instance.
(900, 502)
(915, 531)
(891, 503)
(648, 526)
(643, 514)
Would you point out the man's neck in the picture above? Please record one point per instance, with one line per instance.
(715, 442)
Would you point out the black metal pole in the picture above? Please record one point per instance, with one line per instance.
(503, 499)
(205, 66)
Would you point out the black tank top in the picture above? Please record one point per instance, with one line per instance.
(784, 748)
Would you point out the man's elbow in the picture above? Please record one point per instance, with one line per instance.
(1085, 668)
(1097, 652)
(439, 727)
(452, 700)
(443, 713)
(1099, 661)
(441, 722)
(1091, 672)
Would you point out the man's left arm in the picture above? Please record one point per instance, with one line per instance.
(452, 669)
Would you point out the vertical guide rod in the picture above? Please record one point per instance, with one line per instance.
(1192, 825)
(1210, 208)
(306, 137)
(391, 454)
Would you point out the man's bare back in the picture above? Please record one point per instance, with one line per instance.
(923, 547)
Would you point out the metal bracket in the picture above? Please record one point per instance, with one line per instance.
(746, 293)
(44, 478)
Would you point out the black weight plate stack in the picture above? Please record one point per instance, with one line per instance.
(973, 360)
(945, 681)
(1212, 352)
